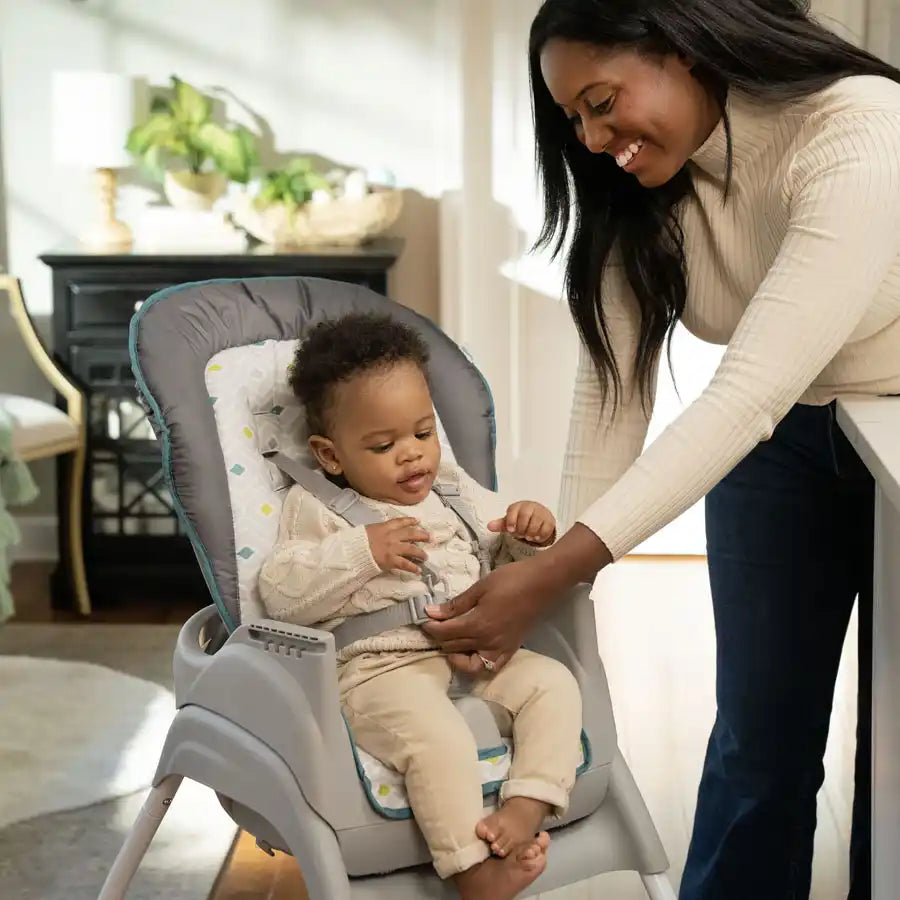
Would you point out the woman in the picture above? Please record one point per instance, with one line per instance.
(735, 166)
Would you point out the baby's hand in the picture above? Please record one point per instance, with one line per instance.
(393, 544)
(528, 521)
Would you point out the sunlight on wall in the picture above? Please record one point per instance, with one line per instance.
(355, 81)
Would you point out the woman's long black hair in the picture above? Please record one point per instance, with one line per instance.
(768, 49)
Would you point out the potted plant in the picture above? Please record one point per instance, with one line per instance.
(296, 206)
(297, 183)
(194, 155)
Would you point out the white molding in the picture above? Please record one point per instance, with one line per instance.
(39, 541)
(685, 536)
(449, 164)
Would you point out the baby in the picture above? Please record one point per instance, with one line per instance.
(363, 382)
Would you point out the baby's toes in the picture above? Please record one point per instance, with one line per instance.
(485, 831)
(532, 863)
(501, 846)
(535, 848)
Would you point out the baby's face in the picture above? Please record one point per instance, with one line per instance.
(383, 435)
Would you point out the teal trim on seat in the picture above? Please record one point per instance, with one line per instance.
(488, 789)
(203, 556)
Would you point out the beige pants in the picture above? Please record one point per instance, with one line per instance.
(404, 717)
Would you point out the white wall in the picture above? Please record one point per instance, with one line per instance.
(358, 81)
(517, 331)
(437, 90)
(503, 304)
(874, 24)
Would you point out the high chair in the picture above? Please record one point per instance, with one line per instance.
(258, 716)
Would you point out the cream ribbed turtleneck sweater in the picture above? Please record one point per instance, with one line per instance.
(797, 271)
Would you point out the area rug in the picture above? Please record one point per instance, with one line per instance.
(74, 733)
(116, 697)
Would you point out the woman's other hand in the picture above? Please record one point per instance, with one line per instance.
(494, 616)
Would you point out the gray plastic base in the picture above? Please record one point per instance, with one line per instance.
(617, 836)
(259, 722)
(611, 839)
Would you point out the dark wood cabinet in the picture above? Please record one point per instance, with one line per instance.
(133, 543)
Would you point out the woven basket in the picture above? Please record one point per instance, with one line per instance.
(339, 223)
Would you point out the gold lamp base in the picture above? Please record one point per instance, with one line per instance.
(106, 233)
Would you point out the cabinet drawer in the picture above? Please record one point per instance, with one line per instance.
(103, 368)
(95, 306)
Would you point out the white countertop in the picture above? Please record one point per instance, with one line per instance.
(872, 425)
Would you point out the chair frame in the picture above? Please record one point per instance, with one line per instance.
(76, 410)
(284, 769)
(261, 761)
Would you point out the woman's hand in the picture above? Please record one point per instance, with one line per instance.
(494, 616)
(491, 618)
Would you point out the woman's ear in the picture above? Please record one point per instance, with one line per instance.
(323, 450)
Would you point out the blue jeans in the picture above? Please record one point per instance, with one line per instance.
(789, 536)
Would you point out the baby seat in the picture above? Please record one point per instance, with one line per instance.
(258, 717)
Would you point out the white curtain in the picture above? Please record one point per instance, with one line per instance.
(873, 24)
(883, 29)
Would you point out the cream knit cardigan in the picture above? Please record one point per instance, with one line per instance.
(322, 571)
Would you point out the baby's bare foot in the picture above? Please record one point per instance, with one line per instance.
(504, 879)
(538, 845)
(514, 824)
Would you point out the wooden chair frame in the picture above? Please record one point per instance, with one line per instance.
(76, 410)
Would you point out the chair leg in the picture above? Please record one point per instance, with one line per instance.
(135, 847)
(658, 887)
(76, 540)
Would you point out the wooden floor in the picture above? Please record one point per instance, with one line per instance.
(249, 873)
(656, 639)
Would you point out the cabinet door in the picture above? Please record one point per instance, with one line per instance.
(128, 494)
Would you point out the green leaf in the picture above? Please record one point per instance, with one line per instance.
(158, 131)
(153, 162)
(298, 188)
(190, 105)
(226, 149)
(161, 104)
(299, 165)
(318, 182)
(267, 194)
(248, 140)
(293, 185)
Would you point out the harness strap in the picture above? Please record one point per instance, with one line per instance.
(366, 625)
(348, 504)
(344, 502)
(451, 497)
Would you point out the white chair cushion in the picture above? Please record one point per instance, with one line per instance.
(37, 424)
(254, 407)
(256, 410)
(386, 790)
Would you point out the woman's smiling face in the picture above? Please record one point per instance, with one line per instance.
(650, 114)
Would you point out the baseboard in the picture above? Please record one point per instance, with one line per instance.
(38, 539)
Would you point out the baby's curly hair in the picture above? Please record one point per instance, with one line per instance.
(339, 349)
